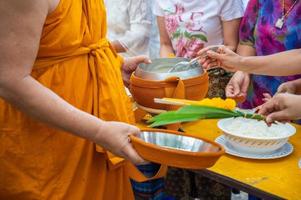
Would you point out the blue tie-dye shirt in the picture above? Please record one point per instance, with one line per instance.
(258, 30)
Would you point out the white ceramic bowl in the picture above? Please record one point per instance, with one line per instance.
(251, 144)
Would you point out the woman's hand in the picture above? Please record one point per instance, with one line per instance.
(282, 107)
(223, 57)
(289, 87)
(130, 65)
(238, 86)
(114, 136)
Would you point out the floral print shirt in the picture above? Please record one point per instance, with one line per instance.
(258, 30)
(192, 25)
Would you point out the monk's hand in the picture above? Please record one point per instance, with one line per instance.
(282, 107)
(224, 57)
(130, 65)
(114, 137)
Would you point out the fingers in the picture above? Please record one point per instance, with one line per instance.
(236, 88)
(230, 91)
(204, 62)
(130, 154)
(257, 109)
(286, 88)
(133, 130)
(209, 63)
(214, 55)
(142, 59)
(126, 79)
(277, 116)
(126, 149)
(225, 50)
(267, 108)
(203, 51)
(245, 85)
(266, 96)
(281, 89)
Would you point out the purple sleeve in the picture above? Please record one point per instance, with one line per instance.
(248, 23)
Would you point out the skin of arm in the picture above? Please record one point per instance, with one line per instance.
(118, 47)
(273, 64)
(166, 49)
(230, 33)
(18, 51)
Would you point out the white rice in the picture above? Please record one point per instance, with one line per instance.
(254, 128)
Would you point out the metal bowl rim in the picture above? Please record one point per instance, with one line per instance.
(220, 152)
(149, 75)
(171, 74)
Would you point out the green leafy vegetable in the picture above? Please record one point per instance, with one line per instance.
(194, 112)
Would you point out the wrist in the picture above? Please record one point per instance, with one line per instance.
(99, 133)
(243, 63)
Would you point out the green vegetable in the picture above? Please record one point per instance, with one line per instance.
(195, 112)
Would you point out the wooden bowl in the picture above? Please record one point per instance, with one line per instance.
(176, 149)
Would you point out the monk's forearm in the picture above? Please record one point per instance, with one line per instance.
(41, 103)
(280, 64)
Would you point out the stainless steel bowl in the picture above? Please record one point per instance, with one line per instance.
(177, 142)
(158, 69)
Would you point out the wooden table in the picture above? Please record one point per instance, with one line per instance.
(268, 179)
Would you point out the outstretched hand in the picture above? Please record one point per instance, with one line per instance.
(282, 107)
(223, 57)
(238, 86)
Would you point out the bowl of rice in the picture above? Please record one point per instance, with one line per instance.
(254, 136)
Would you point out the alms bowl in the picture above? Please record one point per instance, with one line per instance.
(176, 149)
(153, 80)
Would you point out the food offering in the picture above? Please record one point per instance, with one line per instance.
(215, 108)
(255, 136)
(245, 133)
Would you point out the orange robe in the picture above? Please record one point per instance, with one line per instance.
(76, 62)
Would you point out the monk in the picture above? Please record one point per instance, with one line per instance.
(62, 93)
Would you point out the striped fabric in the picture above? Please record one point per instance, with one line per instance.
(149, 190)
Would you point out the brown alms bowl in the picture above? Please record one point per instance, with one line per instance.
(176, 149)
(144, 91)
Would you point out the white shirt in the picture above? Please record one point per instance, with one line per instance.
(154, 46)
(129, 22)
(194, 24)
(245, 2)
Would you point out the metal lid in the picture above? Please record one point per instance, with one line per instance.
(158, 69)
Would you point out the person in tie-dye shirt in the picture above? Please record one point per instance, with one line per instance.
(259, 36)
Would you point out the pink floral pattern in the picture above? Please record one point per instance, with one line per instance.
(172, 24)
(187, 35)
